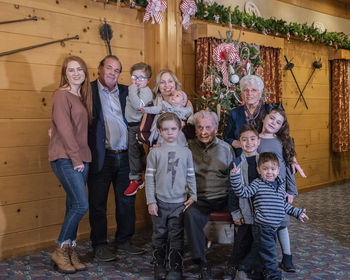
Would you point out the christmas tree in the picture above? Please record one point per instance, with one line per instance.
(220, 90)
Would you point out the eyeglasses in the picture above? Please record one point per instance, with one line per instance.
(139, 78)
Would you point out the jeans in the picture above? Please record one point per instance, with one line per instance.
(73, 182)
(115, 170)
(265, 240)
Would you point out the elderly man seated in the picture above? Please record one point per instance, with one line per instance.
(211, 158)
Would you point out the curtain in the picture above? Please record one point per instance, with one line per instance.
(204, 57)
(340, 106)
(272, 73)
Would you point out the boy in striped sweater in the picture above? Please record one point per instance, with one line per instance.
(270, 207)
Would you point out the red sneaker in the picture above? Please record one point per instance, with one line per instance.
(134, 187)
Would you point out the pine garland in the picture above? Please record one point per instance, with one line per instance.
(271, 26)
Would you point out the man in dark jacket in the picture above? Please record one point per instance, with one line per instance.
(110, 164)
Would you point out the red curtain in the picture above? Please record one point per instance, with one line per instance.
(340, 106)
(272, 73)
(204, 57)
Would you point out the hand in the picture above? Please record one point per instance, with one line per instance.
(142, 109)
(155, 146)
(296, 167)
(153, 209)
(236, 144)
(303, 216)
(49, 132)
(188, 203)
(290, 198)
(234, 170)
(239, 222)
(79, 168)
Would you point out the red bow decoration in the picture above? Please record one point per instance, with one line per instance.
(154, 10)
(220, 54)
(188, 9)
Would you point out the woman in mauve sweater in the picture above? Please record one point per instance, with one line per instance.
(69, 155)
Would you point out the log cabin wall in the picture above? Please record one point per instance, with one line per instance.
(31, 199)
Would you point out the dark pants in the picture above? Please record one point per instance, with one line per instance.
(116, 171)
(196, 217)
(168, 226)
(265, 240)
(242, 244)
(136, 154)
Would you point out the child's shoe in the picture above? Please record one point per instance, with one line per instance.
(134, 187)
(175, 265)
(159, 263)
(287, 263)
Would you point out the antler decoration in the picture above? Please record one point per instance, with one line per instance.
(154, 10)
(188, 8)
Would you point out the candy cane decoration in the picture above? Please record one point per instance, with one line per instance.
(154, 10)
(220, 54)
(188, 9)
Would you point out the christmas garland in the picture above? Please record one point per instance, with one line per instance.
(271, 26)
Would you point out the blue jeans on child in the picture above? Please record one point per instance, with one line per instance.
(77, 204)
(265, 241)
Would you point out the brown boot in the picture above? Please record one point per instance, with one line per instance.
(61, 260)
(74, 258)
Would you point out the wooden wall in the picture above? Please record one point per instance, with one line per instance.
(310, 127)
(31, 199)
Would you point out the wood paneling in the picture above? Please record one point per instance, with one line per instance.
(32, 202)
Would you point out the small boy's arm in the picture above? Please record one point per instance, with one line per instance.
(150, 178)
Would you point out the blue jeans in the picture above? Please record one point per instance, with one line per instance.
(115, 170)
(265, 241)
(73, 182)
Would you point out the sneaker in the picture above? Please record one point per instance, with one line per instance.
(134, 187)
(287, 263)
(129, 248)
(104, 254)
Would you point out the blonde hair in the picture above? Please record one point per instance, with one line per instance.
(159, 77)
(85, 89)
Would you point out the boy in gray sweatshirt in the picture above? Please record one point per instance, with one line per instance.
(170, 190)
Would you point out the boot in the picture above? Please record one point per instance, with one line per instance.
(175, 265)
(287, 263)
(74, 258)
(159, 263)
(61, 260)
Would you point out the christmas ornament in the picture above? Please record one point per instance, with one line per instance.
(154, 10)
(220, 54)
(217, 18)
(234, 79)
(217, 80)
(188, 8)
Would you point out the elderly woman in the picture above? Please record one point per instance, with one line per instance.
(251, 112)
(166, 84)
